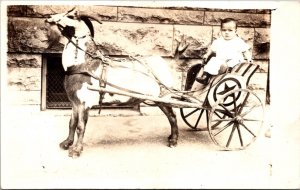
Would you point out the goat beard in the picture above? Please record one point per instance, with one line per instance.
(53, 35)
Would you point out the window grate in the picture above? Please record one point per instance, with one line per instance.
(55, 95)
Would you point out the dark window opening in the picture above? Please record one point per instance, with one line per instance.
(56, 96)
(53, 93)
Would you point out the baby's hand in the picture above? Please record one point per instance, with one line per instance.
(205, 57)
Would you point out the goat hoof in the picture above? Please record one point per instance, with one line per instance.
(172, 143)
(65, 144)
(75, 151)
(74, 154)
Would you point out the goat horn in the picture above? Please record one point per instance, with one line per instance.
(89, 16)
(71, 10)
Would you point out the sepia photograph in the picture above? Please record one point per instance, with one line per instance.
(150, 95)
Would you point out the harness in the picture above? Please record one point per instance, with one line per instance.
(105, 62)
(102, 84)
(102, 78)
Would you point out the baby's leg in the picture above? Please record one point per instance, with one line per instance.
(196, 85)
(213, 66)
(233, 62)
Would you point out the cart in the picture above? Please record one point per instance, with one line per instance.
(233, 113)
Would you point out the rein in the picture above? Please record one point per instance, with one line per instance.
(106, 61)
(71, 71)
(101, 56)
(102, 78)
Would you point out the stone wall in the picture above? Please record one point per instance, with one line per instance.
(131, 31)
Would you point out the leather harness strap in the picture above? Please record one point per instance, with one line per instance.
(71, 71)
(102, 77)
(102, 84)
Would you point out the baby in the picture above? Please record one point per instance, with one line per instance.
(230, 50)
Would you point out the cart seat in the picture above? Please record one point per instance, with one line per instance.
(245, 69)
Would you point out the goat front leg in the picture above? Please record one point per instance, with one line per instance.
(72, 127)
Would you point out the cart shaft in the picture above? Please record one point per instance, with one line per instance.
(174, 103)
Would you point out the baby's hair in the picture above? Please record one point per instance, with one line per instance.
(226, 20)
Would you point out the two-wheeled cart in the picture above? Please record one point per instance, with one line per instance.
(232, 112)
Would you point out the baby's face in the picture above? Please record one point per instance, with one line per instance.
(228, 30)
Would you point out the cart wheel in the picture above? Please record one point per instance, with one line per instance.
(244, 121)
(192, 117)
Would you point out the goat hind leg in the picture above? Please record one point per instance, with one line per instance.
(168, 111)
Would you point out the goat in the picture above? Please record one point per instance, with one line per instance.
(86, 66)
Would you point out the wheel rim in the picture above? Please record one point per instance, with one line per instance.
(243, 123)
(192, 117)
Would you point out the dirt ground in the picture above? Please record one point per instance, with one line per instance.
(130, 151)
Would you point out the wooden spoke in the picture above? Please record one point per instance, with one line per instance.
(217, 114)
(240, 135)
(247, 127)
(189, 114)
(227, 111)
(244, 103)
(193, 117)
(231, 134)
(248, 130)
(234, 104)
(248, 111)
(224, 112)
(217, 120)
(251, 119)
(198, 119)
(223, 128)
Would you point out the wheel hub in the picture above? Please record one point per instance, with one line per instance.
(239, 119)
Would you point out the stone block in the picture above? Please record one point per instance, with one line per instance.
(233, 10)
(46, 10)
(198, 38)
(133, 38)
(29, 35)
(265, 11)
(244, 19)
(24, 79)
(166, 16)
(104, 13)
(261, 11)
(261, 46)
(16, 10)
(24, 60)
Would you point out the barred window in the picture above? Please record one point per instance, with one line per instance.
(53, 93)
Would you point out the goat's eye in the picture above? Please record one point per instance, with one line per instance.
(71, 17)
